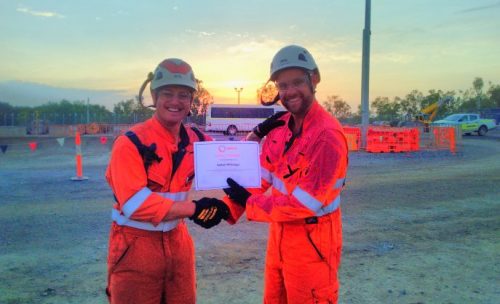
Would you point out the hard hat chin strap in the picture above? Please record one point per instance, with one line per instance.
(143, 87)
(309, 81)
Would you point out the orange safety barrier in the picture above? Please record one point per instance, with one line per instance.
(381, 140)
(93, 128)
(352, 142)
(444, 137)
(79, 170)
(353, 135)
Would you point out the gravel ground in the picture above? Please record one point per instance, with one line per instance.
(418, 228)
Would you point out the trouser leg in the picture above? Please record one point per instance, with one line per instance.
(180, 282)
(311, 257)
(274, 288)
(135, 267)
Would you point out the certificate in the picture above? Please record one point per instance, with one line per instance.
(215, 161)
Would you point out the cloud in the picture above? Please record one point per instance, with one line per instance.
(336, 50)
(44, 14)
(200, 33)
(248, 47)
(479, 8)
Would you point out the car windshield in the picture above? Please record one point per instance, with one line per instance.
(453, 117)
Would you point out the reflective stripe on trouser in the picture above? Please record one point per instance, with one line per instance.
(151, 266)
(302, 262)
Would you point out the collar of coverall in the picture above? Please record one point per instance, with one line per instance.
(166, 136)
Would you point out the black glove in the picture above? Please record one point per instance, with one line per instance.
(269, 124)
(209, 212)
(237, 193)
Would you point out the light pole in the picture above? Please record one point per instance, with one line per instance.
(88, 110)
(365, 75)
(238, 90)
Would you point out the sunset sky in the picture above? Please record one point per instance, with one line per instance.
(110, 46)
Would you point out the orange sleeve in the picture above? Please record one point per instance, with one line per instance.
(128, 180)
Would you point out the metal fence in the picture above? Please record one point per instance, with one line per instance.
(62, 124)
(26, 118)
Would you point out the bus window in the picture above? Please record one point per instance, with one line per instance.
(240, 117)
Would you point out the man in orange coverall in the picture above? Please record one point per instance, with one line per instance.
(305, 161)
(151, 253)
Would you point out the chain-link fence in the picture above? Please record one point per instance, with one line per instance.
(26, 118)
(62, 124)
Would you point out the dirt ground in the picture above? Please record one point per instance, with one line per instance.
(418, 228)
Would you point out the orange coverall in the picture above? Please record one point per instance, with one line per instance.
(307, 174)
(150, 260)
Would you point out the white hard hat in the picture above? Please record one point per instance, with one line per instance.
(173, 71)
(292, 56)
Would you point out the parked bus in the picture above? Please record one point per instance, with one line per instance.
(231, 119)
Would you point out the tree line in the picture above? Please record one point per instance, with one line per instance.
(79, 111)
(475, 99)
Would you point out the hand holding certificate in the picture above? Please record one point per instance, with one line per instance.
(215, 161)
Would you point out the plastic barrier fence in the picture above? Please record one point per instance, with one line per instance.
(397, 140)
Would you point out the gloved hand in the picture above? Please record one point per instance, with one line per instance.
(269, 124)
(237, 193)
(209, 212)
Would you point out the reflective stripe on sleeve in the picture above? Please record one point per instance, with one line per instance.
(124, 221)
(135, 201)
(175, 196)
(266, 175)
(339, 183)
(279, 185)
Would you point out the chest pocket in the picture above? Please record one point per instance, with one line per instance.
(295, 167)
(157, 179)
(293, 164)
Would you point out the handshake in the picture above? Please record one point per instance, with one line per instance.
(209, 212)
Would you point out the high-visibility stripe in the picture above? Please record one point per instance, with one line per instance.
(330, 207)
(266, 175)
(313, 204)
(279, 185)
(135, 201)
(140, 197)
(175, 196)
(125, 221)
(339, 183)
(307, 200)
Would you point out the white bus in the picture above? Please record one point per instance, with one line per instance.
(231, 119)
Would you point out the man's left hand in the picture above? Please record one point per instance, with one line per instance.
(237, 193)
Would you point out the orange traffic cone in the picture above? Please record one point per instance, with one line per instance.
(79, 175)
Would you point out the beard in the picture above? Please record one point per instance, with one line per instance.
(297, 107)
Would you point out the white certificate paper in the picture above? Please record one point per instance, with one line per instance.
(215, 161)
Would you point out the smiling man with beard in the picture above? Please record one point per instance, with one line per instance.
(304, 160)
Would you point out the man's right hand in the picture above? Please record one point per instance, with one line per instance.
(209, 212)
(269, 124)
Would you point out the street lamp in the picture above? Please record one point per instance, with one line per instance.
(238, 90)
